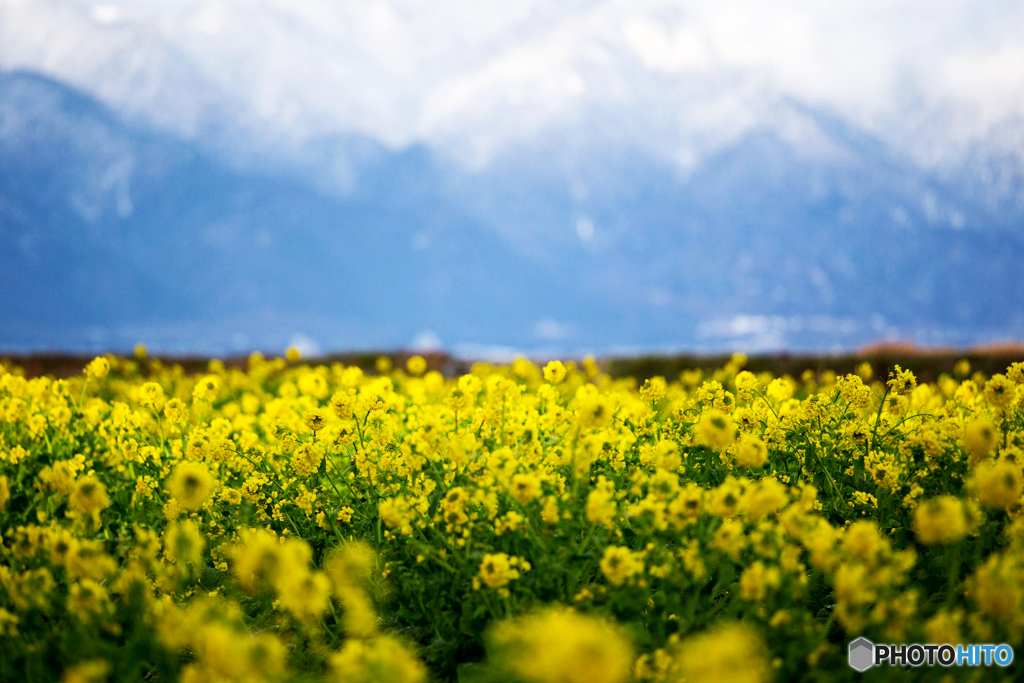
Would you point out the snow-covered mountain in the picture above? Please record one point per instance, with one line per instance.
(113, 233)
(219, 175)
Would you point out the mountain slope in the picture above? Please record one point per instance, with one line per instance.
(111, 231)
(112, 234)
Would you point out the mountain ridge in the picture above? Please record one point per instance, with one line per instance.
(114, 233)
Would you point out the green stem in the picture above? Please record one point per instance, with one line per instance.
(878, 418)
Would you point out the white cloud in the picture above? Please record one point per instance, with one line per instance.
(306, 346)
(549, 329)
(670, 49)
(585, 229)
(105, 14)
(473, 78)
(426, 341)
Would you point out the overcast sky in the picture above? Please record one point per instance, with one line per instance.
(472, 77)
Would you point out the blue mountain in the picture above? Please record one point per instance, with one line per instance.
(112, 233)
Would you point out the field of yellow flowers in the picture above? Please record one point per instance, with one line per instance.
(291, 522)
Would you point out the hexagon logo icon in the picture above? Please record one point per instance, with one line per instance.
(862, 654)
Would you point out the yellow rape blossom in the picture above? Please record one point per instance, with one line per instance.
(97, 369)
(941, 520)
(191, 484)
(498, 569)
(379, 660)
(282, 521)
(561, 646)
(554, 372)
(980, 437)
(620, 565)
(731, 653)
(715, 429)
(89, 496)
(998, 484)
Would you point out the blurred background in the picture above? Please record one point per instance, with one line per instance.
(492, 178)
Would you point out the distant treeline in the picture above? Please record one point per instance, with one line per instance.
(927, 364)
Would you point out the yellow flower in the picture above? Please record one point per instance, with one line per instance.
(89, 671)
(305, 594)
(468, 384)
(5, 493)
(88, 559)
(715, 429)
(901, 382)
(853, 391)
(687, 506)
(176, 412)
(997, 589)
(601, 507)
(305, 501)
(593, 411)
(308, 458)
(184, 543)
(416, 365)
(59, 543)
(206, 389)
(313, 384)
(766, 496)
(258, 561)
(1000, 392)
(559, 645)
(730, 653)
(219, 650)
(89, 496)
(730, 538)
(780, 389)
(359, 620)
(97, 368)
(550, 512)
(345, 436)
(30, 589)
(944, 627)
(863, 541)
(499, 569)
(379, 660)
(653, 389)
(350, 564)
(343, 404)
(397, 514)
(191, 484)
(314, 420)
(88, 599)
(725, 500)
(980, 437)
(751, 452)
(941, 520)
(8, 623)
(554, 372)
(621, 564)
(757, 579)
(151, 395)
(350, 377)
(526, 487)
(458, 401)
(746, 383)
(453, 506)
(997, 483)
(267, 657)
